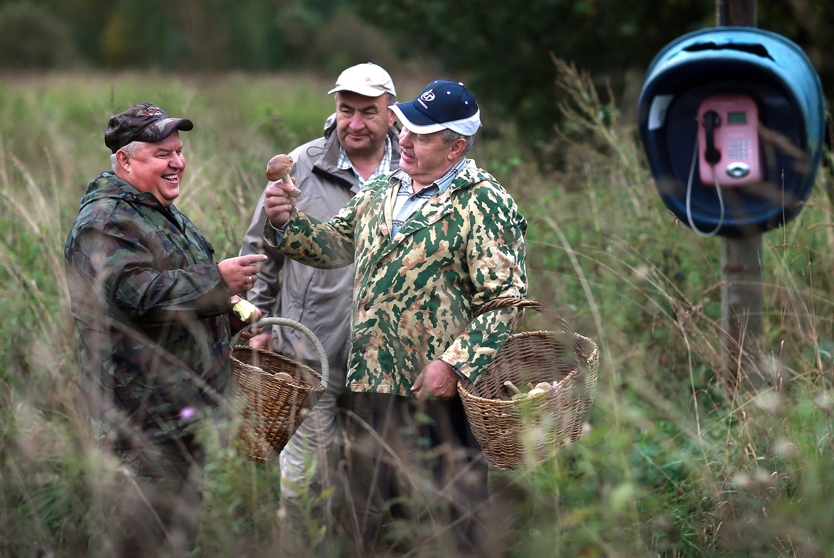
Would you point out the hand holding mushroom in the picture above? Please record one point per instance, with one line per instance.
(280, 194)
(278, 168)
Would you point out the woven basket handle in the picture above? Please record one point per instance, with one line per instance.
(522, 303)
(497, 303)
(325, 365)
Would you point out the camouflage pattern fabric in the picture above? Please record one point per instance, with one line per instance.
(143, 122)
(414, 295)
(150, 307)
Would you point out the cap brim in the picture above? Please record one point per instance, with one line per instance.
(161, 129)
(368, 91)
(415, 120)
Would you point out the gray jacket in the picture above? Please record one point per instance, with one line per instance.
(319, 299)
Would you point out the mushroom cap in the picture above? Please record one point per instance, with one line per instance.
(278, 167)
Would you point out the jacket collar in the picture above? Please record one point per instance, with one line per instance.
(109, 186)
(435, 208)
(329, 158)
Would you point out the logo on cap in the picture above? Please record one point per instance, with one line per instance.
(143, 122)
(151, 110)
(427, 96)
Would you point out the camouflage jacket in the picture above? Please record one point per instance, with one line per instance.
(414, 295)
(150, 307)
(320, 299)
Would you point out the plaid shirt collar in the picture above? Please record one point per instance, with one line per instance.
(408, 203)
(344, 163)
(442, 183)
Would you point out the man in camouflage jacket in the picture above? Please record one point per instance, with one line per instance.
(153, 313)
(431, 244)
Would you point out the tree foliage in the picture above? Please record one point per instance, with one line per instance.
(190, 35)
(31, 38)
(506, 49)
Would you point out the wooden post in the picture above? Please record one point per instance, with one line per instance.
(742, 308)
(736, 12)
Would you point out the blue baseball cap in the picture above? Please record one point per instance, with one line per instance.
(442, 104)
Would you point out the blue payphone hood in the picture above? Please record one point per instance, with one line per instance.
(772, 70)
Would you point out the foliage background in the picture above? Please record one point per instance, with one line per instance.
(502, 50)
(679, 460)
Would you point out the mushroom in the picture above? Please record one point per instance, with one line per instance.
(278, 168)
(511, 388)
(244, 310)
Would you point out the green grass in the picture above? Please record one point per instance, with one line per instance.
(679, 461)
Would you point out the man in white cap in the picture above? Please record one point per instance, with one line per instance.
(359, 143)
(431, 243)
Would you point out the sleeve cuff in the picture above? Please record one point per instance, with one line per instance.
(279, 232)
(456, 371)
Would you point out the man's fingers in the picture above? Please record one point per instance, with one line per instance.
(250, 267)
(279, 192)
(252, 259)
(418, 383)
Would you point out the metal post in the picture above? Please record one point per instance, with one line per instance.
(741, 264)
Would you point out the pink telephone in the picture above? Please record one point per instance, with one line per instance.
(729, 141)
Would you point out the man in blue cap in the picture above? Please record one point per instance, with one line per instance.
(431, 244)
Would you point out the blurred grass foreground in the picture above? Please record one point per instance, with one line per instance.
(679, 460)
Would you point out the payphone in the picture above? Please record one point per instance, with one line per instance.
(732, 121)
(728, 141)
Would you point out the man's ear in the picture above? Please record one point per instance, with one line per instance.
(456, 149)
(123, 160)
(392, 118)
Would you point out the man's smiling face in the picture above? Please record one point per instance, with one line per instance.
(158, 168)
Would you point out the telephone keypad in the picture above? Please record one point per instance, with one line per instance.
(737, 149)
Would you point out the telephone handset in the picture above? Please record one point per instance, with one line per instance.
(728, 141)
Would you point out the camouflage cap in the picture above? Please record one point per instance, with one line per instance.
(143, 122)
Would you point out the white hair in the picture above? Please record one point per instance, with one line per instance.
(129, 150)
(450, 136)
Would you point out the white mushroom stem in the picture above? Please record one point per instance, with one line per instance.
(510, 386)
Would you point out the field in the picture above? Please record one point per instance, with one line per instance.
(680, 459)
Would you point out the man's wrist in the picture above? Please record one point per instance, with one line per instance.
(279, 232)
(282, 229)
(453, 369)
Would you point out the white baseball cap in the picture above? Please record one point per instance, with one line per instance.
(365, 79)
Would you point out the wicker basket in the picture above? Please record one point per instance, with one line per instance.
(273, 408)
(515, 434)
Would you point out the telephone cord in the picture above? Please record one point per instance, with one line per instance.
(692, 225)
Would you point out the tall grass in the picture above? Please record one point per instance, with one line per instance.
(680, 460)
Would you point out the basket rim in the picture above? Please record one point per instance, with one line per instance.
(244, 368)
(590, 360)
(239, 366)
